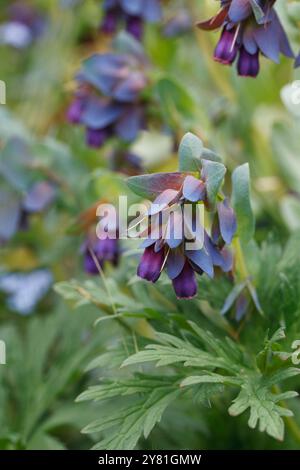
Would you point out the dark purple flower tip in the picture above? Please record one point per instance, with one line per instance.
(185, 285)
(248, 64)
(151, 264)
(135, 26)
(110, 21)
(75, 111)
(227, 48)
(96, 137)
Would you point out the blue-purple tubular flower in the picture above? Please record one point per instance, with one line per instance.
(132, 13)
(106, 250)
(151, 264)
(245, 35)
(108, 101)
(185, 284)
(177, 242)
(24, 25)
(227, 48)
(16, 210)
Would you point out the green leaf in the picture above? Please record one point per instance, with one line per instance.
(210, 378)
(264, 412)
(114, 388)
(208, 154)
(108, 360)
(175, 350)
(265, 356)
(128, 423)
(190, 152)
(214, 173)
(14, 164)
(280, 376)
(90, 292)
(150, 186)
(205, 391)
(241, 202)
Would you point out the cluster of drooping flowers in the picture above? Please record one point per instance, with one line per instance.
(249, 28)
(176, 237)
(108, 101)
(24, 25)
(133, 13)
(97, 251)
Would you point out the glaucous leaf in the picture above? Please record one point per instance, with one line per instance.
(150, 186)
(241, 202)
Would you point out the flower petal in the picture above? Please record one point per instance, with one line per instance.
(239, 10)
(175, 263)
(227, 221)
(203, 260)
(151, 264)
(193, 189)
(185, 285)
(215, 22)
(162, 201)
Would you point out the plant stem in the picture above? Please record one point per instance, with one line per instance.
(240, 260)
(143, 328)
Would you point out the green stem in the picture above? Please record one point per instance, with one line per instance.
(244, 273)
(142, 327)
(240, 260)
